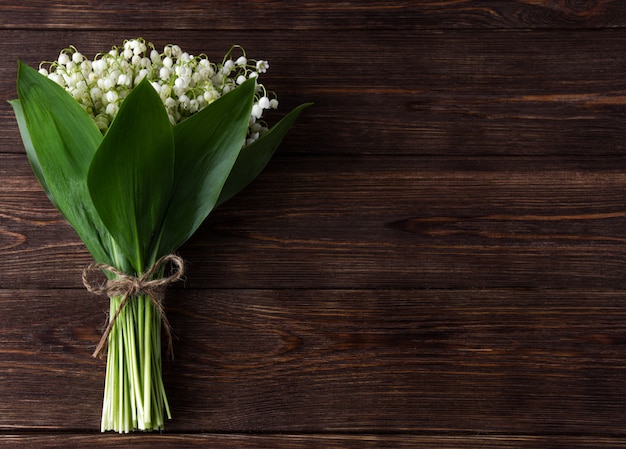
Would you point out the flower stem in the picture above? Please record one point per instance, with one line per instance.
(147, 362)
(134, 394)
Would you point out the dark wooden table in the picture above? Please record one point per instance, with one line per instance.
(434, 259)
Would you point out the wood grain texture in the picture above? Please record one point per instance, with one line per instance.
(326, 14)
(232, 441)
(308, 222)
(417, 92)
(434, 259)
(319, 361)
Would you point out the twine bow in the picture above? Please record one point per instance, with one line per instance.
(126, 286)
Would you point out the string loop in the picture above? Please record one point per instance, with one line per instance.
(126, 286)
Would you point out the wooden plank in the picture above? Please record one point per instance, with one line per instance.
(488, 93)
(280, 15)
(356, 361)
(228, 441)
(368, 222)
(433, 260)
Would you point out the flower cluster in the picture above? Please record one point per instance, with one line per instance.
(185, 83)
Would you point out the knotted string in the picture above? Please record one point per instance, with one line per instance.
(126, 286)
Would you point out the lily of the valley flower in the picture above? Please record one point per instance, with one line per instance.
(185, 83)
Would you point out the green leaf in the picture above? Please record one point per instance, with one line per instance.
(253, 158)
(29, 147)
(207, 145)
(130, 178)
(60, 140)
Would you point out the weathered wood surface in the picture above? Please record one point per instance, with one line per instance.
(417, 92)
(285, 14)
(312, 441)
(319, 361)
(434, 259)
(330, 222)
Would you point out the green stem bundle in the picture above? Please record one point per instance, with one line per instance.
(134, 394)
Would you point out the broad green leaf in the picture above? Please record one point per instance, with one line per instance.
(28, 146)
(60, 140)
(253, 158)
(130, 178)
(207, 145)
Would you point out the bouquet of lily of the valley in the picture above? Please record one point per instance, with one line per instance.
(135, 148)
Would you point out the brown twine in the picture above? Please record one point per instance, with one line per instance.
(127, 286)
